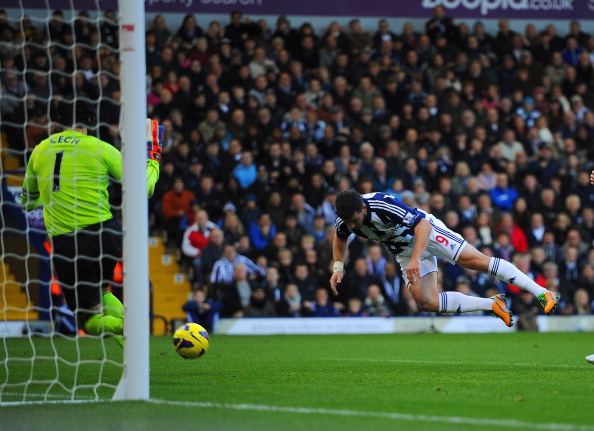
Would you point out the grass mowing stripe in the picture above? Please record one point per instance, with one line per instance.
(410, 361)
(45, 399)
(396, 416)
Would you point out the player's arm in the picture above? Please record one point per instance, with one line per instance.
(592, 178)
(30, 197)
(154, 145)
(422, 232)
(154, 140)
(339, 249)
(152, 176)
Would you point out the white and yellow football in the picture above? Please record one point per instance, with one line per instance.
(190, 341)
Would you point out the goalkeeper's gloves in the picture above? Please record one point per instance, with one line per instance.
(154, 140)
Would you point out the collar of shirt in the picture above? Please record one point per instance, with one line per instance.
(368, 216)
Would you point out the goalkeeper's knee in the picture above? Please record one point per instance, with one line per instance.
(112, 306)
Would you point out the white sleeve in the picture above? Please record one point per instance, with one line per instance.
(187, 248)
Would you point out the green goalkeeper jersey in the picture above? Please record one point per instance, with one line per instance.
(68, 173)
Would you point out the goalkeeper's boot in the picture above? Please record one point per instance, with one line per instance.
(549, 301)
(500, 309)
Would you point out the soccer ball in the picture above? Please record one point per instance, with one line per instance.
(190, 341)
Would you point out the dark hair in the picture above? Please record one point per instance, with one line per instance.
(75, 112)
(348, 202)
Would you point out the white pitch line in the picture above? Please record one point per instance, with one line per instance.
(411, 361)
(396, 416)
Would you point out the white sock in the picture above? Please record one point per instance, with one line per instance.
(456, 302)
(508, 273)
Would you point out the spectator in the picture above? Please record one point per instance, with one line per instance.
(359, 38)
(262, 232)
(273, 284)
(440, 25)
(288, 34)
(12, 107)
(502, 194)
(509, 146)
(586, 280)
(188, 32)
(308, 53)
(231, 225)
(193, 176)
(208, 127)
(223, 271)
(305, 282)
(109, 29)
(375, 261)
(355, 308)
(209, 198)
(569, 272)
(261, 64)
(202, 310)
(322, 306)
(375, 303)
(358, 279)
(366, 92)
(195, 240)
(276, 208)
(303, 211)
(212, 252)
(251, 211)
(306, 242)
(574, 239)
(528, 112)
(536, 231)
(572, 51)
(176, 206)
(517, 236)
(314, 193)
(238, 30)
(161, 32)
(391, 288)
(259, 305)
(319, 227)
(245, 171)
(328, 206)
(237, 292)
(290, 304)
(581, 302)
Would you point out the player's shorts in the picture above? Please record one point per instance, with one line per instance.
(84, 261)
(443, 243)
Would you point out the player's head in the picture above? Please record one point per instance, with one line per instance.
(75, 113)
(349, 207)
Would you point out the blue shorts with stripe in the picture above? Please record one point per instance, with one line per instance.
(443, 243)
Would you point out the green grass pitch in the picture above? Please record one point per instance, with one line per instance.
(340, 382)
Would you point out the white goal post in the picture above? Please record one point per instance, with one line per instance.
(135, 378)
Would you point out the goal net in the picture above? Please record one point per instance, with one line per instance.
(50, 49)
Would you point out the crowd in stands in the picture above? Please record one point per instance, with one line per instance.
(492, 133)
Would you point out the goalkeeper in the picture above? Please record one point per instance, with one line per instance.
(68, 173)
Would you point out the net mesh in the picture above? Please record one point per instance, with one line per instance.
(48, 54)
